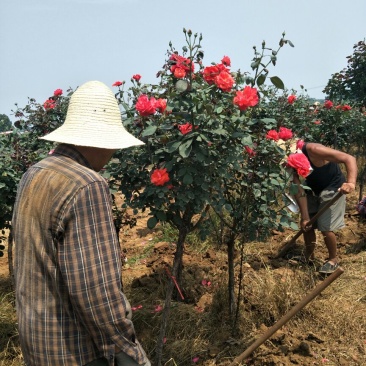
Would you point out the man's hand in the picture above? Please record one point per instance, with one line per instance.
(305, 224)
(347, 188)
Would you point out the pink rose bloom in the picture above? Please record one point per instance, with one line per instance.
(285, 133)
(272, 135)
(346, 107)
(144, 106)
(159, 177)
(291, 99)
(117, 83)
(246, 98)
(136, 77)
(224, 81)
(226, 61)
(300, 162)
(328, 104)
(317, 122)
(186, 128)
(57, 92)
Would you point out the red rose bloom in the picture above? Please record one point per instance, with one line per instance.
(300, 162)
(117, 83)
(291, 99)
(249, 151)
(136, 77)
(184, 129)
(272, 135)
(299, 144)
(317, 122)
(285, 133)
(179, 73)
(159, 177)
(246, 98)
(57, 92)
(346, 107)
(209, 73)
(224, 81)
(160, 105)
(49, 104)
(226, 61)
(144, 106)
(180, 65)
(328, 104)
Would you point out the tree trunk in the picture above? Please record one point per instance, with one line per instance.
(231, 274)
(362, 180)
(176, 272)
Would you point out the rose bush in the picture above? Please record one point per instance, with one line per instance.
(210, 137)
(210, 142)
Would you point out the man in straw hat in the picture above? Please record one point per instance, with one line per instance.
(70, 306)
(325, 180)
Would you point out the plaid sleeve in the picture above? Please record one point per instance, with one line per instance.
(90, 261)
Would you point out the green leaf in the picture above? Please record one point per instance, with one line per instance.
(172, 146)
(257, 193)
(261, 79)
(247, 141)
(277, 82)
(150, 130)
(187, 179)
(185, 148)
(220, 131)
(151, 223)
(160, 215)
(294, 226)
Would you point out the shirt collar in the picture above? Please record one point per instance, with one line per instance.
(72, 153)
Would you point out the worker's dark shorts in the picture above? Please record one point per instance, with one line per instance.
(333, 218)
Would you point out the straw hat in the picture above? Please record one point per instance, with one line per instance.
(93, 119)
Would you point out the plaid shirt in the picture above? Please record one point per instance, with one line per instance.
(70, 306)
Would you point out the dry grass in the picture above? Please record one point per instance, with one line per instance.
(333, 324)
(10, 353)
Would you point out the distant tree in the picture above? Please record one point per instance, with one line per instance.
(350, 83)
(5, 123)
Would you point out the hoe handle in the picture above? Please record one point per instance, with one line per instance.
(316, 291)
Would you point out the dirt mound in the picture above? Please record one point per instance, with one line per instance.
(330, 330)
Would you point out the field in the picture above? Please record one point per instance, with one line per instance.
(330, 330)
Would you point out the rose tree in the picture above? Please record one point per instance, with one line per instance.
(205, 146)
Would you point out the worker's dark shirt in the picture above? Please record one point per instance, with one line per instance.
(328, 176)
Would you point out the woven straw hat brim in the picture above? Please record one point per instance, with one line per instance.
(93, 119)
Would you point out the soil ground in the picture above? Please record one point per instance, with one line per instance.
(331, 330)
